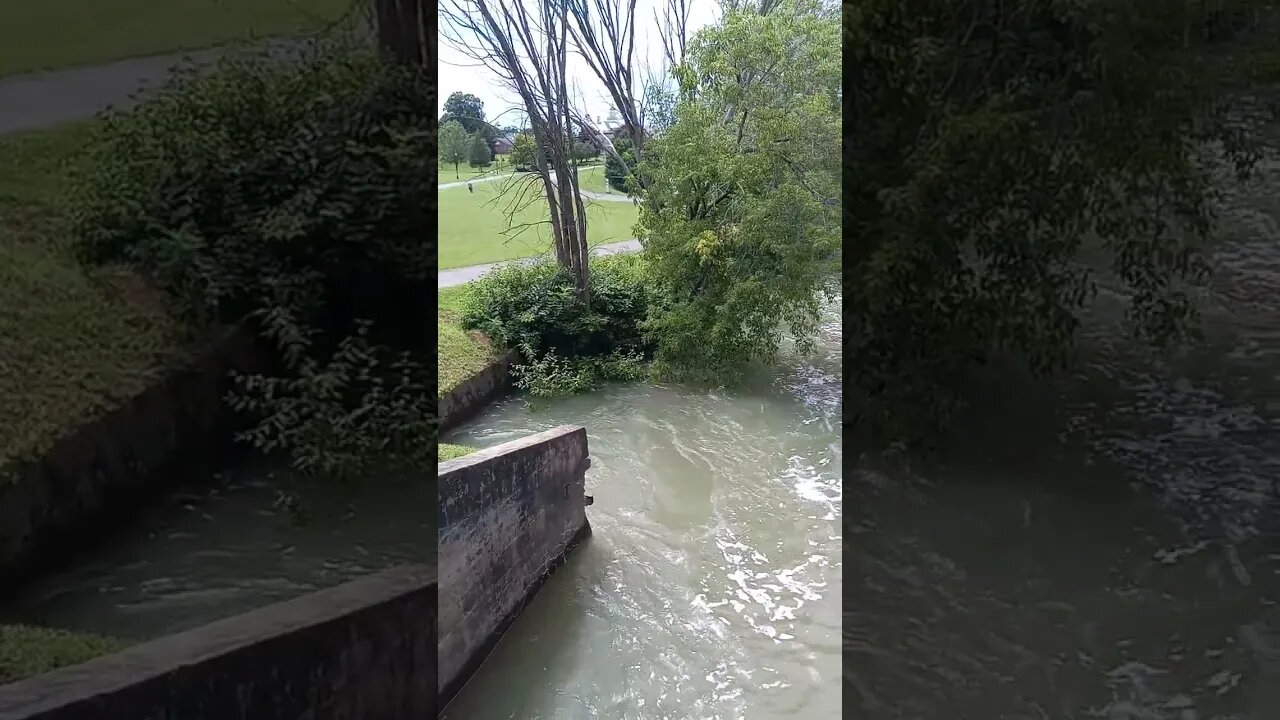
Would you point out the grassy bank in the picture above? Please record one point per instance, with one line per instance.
(461, 353)
(57, 34)
(452, 452)
(464, 172)
(72, 342)
(26, 651)
(472, 224)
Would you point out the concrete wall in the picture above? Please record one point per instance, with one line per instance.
(472, 394)
(97, 475)
(508, 517)
(365, 650)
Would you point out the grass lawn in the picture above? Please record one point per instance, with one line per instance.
(72, 342)
(26, 651)
(472, 224)
(55, 34)
(465, 172)
(461, 353)
(452, 452)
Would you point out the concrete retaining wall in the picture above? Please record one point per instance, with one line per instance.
(472, 394)
(508, 517)
(98, 474)
(365, 650)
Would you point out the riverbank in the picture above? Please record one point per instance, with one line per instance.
(77, 341)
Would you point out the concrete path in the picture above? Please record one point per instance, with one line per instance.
(477, 181)
(46, 99)
(463, 275)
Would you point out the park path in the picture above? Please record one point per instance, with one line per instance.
(463, 275)
(46, 99)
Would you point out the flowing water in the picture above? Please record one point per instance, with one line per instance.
(1106, 548)
(710, 587)
(202, 555)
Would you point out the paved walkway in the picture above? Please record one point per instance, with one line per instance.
(46, 99)
(463, 275)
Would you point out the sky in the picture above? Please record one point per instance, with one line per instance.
(459, 73)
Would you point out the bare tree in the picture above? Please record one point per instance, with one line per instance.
(605, 34)
(526, 44)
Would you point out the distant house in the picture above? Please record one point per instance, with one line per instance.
(503, 145)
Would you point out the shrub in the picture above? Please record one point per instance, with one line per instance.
(301, 184)
(534, 308)
(479, 154)
(297, 193)
(614, 171)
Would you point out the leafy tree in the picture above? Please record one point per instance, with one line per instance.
(479, 154)
(523, 151)
(454, 144)
(1002, 159)
(468, 110)
(583, 151)
(659, 108)
(615, 172)
(740, 222)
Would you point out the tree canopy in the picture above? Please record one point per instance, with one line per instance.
(468, 110)
(1003, 159)
(740, 222)
(453, 144)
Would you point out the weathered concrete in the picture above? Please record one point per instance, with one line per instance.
(472, 394)
(97, 475)
(509, 515)
(365, 650)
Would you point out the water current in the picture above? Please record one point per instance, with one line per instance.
(1105, 547)
(710, 587)
(229, 547)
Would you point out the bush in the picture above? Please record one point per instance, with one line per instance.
(614, 171)
(479, 154)
(535, 308)
(266, 183)
(297, 193)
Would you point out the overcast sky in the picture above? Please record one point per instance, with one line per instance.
(458, 73)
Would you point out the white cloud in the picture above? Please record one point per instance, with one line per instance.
(459, 73)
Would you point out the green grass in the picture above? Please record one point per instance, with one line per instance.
(461, 353)
(27, 651)
(453, 452)
(75, 342)
(55, 34)
(472, 224)
(465, 172)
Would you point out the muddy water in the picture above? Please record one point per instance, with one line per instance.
(711, 585)
(204, 555)
(1105, 548)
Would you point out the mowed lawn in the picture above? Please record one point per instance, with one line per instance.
(461, 353)
(56, 34)
(475, 228)
(73, 343)
(447, 173)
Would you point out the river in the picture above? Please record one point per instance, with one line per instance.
(1107, 546)
(226, 546)
(711, 585)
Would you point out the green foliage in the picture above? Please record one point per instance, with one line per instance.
(659, 108)
(27, 651)
(468, 110)
(615, 172)
(294, 193)
(268, 184)
(523, 152)
(534, 307)
(553, 376)
(364, 409)
(740, 222)
(581, 151)
(453, 144)
(479, 154)
(453, 452)
(1005, 158)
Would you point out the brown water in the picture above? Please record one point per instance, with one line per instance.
(1108, 547)
(207, 554)
(711, 585)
